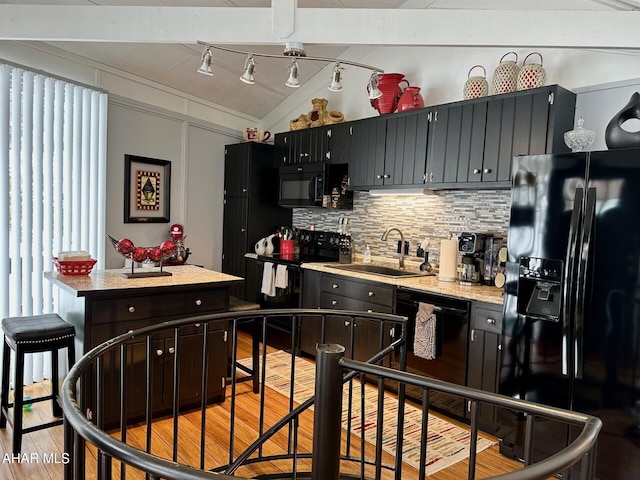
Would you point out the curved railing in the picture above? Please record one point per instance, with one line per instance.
(80, 432)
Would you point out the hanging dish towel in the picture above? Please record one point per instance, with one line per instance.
(424, 343)
(268, 280)
(281, 277)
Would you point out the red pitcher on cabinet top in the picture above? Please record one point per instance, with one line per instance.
(410, 99)
(389, 85)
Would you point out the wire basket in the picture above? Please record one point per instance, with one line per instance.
(74, 267)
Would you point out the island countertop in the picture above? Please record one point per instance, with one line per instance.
(103, 281)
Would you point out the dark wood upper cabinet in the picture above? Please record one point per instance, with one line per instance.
(473, 142)
(303, 146)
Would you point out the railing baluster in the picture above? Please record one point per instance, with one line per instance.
(473, 440)
(528, 440)
(424, 435)
(176, 390)
(123, 410)
(204, 389)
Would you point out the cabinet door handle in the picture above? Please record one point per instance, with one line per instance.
(243, 230)
(473, 335)
(299, 169)
(132, 309)
(198, 302)
(476, 170)
(369, 311)
(486, 170)
(328, 155)
(378, 177)
(159, 352)
(335, 285)
(347, 323)
(172, 350)
(491, 321)
(334, 302)
(197, 325)
(386, 175)
(371, 294)
(424, 178)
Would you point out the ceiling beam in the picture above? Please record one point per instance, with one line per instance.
(345, 26)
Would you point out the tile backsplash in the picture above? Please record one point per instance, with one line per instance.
(432, 217)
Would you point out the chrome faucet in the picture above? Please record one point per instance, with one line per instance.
(384, 238)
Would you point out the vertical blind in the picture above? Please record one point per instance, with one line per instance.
(52, 183)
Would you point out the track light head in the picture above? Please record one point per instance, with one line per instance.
(374, 91)
(249, 67)
(293, 81)
(336, 84)
(206, 62)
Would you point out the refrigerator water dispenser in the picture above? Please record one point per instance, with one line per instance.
(540, 288)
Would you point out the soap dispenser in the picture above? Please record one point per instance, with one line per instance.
(367, 255)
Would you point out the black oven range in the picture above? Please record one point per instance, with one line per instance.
(313, 246)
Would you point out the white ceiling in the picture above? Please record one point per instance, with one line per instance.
(168, 54)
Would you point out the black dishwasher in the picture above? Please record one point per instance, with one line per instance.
(451, 339)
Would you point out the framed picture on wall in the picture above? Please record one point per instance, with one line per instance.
(147, 189)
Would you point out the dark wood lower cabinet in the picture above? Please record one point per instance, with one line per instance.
(485, 337)
(101, 315)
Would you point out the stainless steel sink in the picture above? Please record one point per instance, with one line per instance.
(377, 270)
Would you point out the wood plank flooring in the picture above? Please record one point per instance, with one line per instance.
(40, 448)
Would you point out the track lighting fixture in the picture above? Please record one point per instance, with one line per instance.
(336, 84)
(374, 91)
(293, 81)
(206, 67)
(293, 51)
(249, 67)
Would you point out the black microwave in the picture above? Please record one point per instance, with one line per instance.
(301, 185)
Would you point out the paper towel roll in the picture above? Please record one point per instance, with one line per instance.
(448, 261)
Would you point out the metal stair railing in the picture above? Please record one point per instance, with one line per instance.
(80, 431)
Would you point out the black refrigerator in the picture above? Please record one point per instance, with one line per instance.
(572, 302)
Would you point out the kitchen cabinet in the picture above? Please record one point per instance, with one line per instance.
(337, 292)
(389, 151)
(405, 157)
(303, 146)
(485, 337)
(473, 142)
(366, 159)
(250, 204)
(106, 305)
(163, 350)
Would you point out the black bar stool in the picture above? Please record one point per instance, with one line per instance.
(38, 333)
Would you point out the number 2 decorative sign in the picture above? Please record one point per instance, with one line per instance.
(147, 189)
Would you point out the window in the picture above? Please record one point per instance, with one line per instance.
(52, 183)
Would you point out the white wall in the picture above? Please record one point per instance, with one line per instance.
(196, 153)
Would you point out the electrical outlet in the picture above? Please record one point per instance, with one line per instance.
(406, 247)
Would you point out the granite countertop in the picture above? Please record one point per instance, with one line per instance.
(427, 284)
(107, 280)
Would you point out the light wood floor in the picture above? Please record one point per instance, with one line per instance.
(49, 442)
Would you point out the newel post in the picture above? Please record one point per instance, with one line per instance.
(327, 415)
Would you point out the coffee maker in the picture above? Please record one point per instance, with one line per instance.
(471, 245)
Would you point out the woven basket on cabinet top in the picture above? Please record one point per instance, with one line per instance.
(476, 86)
(505, 75)
(532, 75)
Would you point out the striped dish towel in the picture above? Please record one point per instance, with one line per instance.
(424, 343)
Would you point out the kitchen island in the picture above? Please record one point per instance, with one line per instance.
(106, 304)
